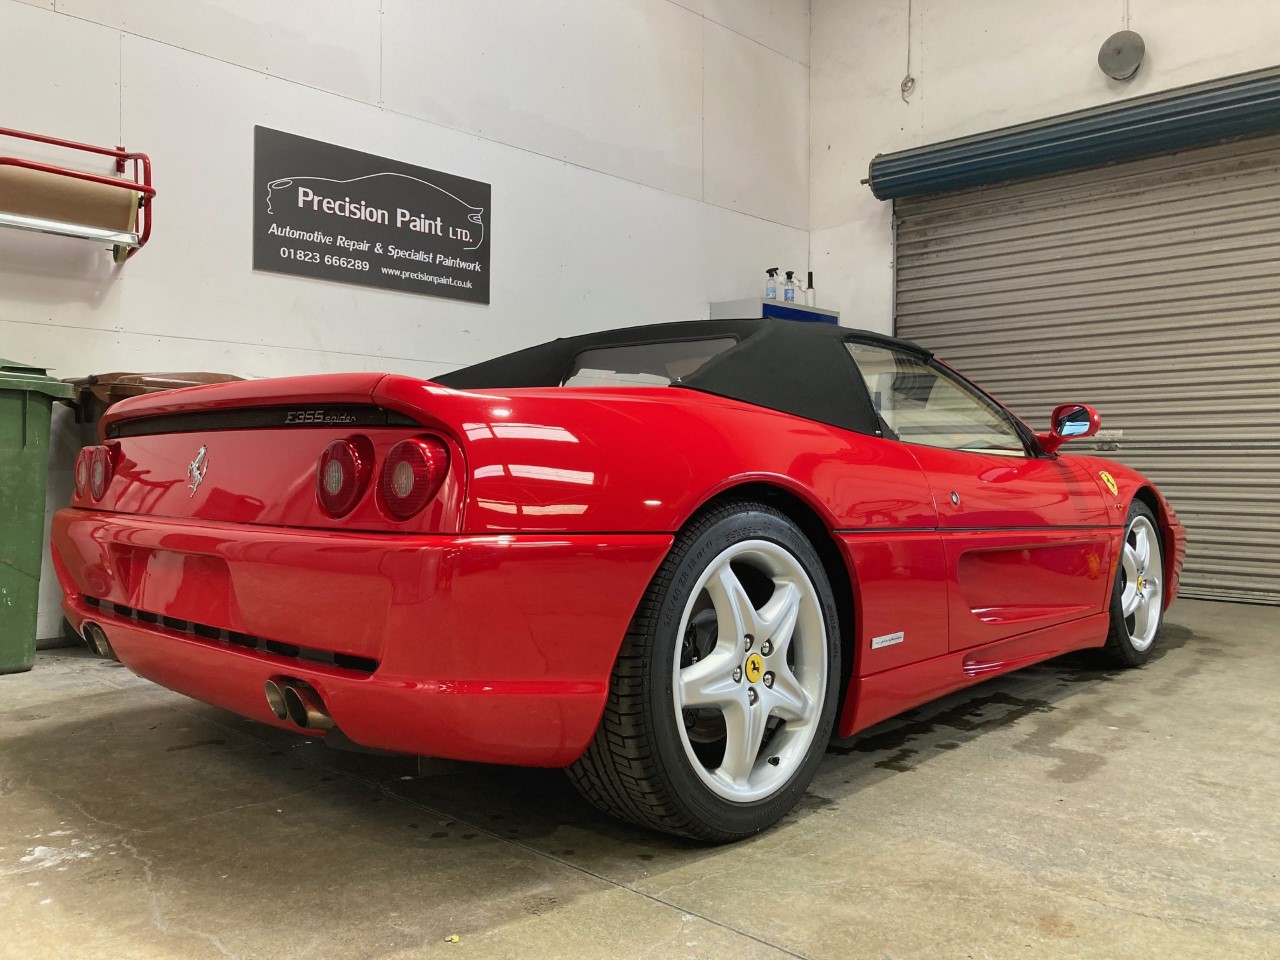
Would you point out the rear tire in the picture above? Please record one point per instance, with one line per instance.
(1137, 599)
(724, 692)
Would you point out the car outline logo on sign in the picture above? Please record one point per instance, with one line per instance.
(197, 468)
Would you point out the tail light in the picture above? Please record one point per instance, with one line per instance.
(82, 471)
(342, 474)
(411, 475)
(99, 471)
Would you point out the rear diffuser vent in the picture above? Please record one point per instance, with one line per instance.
(203, 631)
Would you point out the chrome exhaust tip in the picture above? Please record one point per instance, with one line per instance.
(305, 708)
(275, 700)
(96, 638)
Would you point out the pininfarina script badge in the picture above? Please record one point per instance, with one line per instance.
(196, 469)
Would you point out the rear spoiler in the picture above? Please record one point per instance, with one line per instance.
(329, 388)
(357, 399)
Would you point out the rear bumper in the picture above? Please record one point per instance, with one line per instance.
(490, 648)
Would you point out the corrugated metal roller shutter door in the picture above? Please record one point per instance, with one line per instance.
(1152, 291)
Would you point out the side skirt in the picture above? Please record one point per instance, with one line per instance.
(886, 694)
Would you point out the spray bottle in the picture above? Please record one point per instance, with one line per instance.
(810, 295)
(789, 287)
(771, 284)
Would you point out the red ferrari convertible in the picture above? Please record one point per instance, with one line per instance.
(673, 559)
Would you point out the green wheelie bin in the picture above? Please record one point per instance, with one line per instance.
(26, 401)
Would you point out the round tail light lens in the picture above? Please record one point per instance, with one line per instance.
(82, 472)
(99, 471)
(411, 475)
(343, 474)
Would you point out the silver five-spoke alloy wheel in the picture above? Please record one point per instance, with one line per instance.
(750, 675)
(1141, 595)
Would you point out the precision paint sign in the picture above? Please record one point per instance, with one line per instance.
(324, 211)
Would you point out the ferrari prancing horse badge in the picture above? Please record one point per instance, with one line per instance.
(196, 469)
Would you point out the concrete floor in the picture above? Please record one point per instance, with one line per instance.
(1058, 812)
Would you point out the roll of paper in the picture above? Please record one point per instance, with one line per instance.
(48, 196)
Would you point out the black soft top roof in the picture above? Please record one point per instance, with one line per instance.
(795, 367)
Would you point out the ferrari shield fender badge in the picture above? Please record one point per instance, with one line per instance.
(196, 469)
(1110, 482)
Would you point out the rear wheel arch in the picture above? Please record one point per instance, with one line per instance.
(840, 573)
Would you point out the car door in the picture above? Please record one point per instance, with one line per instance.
(1025, 536)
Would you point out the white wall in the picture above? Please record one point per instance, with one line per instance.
(634, 179)
(979, 65)
(646, 157)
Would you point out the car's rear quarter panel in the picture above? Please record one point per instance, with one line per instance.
(644, 459)
(647, 459)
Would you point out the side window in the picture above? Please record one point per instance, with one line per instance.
(644, 364)
(922, 404)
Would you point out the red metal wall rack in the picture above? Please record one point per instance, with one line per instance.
(126, 240)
